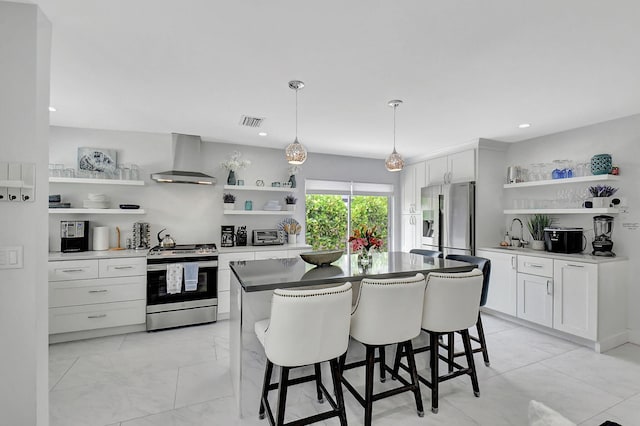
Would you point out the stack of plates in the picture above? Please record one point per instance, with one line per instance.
(272, 205)
(96, 201)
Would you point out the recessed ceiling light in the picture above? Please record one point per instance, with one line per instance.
(52, 109)
(524, 125)
(262, 134)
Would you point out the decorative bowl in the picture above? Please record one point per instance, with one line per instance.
(321, 257)
(601, 164)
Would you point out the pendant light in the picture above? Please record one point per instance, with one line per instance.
(394, 162)
(295, 152)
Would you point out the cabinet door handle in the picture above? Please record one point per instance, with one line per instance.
(513, 262)
(73, 270)
(123, 267)
(573, 265)
(532, 265)
(549, 287)
(97, 316)
(98, 291)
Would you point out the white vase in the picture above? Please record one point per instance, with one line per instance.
(600, 202)
(537, 244)
(228, 206)
(291, 207)
(291, 238)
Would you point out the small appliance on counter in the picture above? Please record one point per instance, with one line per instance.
(241, 236)
(563, 240)
(268, 237)
(141, 238)
(602, 228)
(74, 236)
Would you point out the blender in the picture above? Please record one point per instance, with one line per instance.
(602, 228)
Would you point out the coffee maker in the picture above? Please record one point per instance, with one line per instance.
(602, 228)
(74, 235)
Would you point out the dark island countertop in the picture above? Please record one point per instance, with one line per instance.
(269, 274)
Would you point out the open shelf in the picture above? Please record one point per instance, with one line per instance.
(96, 181)
(96, 211)
(582, 179)
(258, 188)
(260, 212)
(564, 211)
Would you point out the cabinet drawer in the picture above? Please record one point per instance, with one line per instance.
(535, 266)
(122, 267)
(271, 254)
(101, 315)
(83, 292)
(224, 259)
(66, 270)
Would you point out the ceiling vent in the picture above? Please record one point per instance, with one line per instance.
(247, 121)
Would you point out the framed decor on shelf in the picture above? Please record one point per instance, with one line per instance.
(97, 159)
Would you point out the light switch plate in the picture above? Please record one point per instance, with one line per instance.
(11, 257)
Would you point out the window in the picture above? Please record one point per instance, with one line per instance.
(334, 209)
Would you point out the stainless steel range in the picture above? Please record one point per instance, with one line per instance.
(182, 285)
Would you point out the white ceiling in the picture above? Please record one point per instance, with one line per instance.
(464, 68)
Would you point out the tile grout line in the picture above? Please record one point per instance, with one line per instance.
(64, 374)
(175, 394)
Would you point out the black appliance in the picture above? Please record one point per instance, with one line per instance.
(563, 240)
(190, 304)
(74, 235)
(602, 228)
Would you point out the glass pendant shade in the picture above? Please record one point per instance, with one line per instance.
(394, 162)
(295, 153)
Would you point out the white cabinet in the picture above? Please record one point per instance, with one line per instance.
(96, 294)
(575, 299)
(457, 167)
(502, 281)
(411, 228)
(413, 179)
(535, 299)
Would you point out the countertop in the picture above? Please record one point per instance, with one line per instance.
(102, 254)
(242, 249)
(578, 257)
(260, 275)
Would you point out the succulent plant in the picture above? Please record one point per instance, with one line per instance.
(290, 199)
(536, 225)
(228, 197)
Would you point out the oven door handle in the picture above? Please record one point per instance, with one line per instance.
(163, 266)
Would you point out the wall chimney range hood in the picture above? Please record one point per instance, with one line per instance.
(186, 159)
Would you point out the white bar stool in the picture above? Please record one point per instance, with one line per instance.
(387, 311)
(451, 304)
(306, 327)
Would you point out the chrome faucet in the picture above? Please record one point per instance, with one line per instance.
(520, 241)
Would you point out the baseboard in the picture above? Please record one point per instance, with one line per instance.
(612, 342)
(634, 336)
(90, 334)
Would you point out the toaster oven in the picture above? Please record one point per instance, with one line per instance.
(267, 237)
(563, 240)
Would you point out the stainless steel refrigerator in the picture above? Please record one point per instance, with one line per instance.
(448, 218)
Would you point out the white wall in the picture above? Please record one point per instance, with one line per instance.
(621, 139)
(24, 100)
(192, 213)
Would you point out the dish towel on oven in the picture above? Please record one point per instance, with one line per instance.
(190, 276)
(174, 278)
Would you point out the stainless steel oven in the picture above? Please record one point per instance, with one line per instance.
(196, 303)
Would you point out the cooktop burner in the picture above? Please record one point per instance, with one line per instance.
(185, 250)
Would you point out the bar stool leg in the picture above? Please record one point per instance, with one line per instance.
(471, 364)
(396, 362)
(370, 363)
(316, 366)
(450, 350)
(381, 354)
(483, 342)
(337, 388)
(282, 395)
(434, 370)
(265, 388)
(414, 378)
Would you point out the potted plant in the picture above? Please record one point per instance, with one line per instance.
(291, 202)
(536, 225)
(601, 195)
(229, 201)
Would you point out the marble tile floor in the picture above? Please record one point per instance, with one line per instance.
(180, 377)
